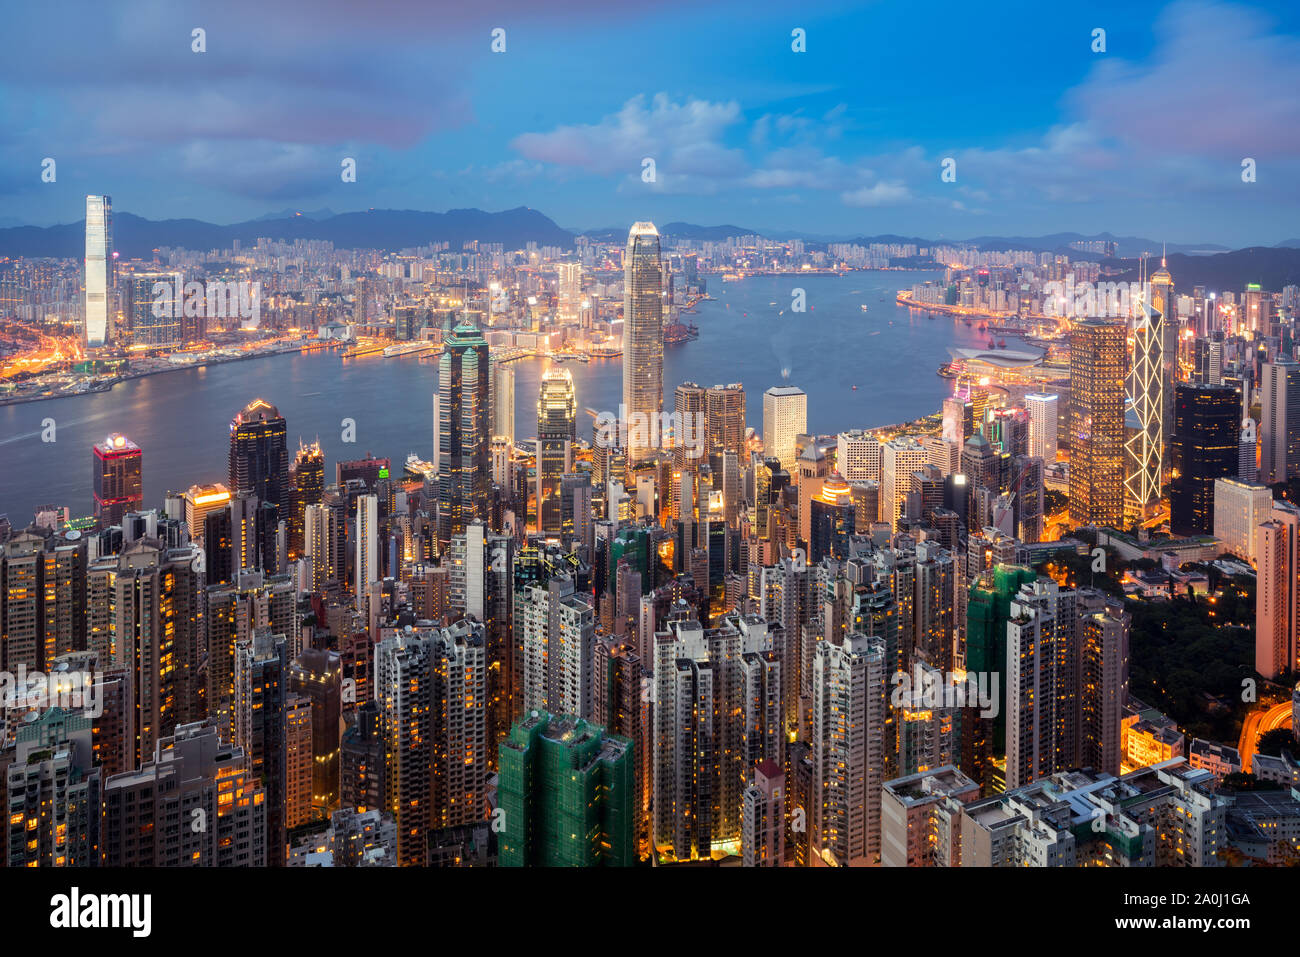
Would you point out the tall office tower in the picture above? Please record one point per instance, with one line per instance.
(101, 270)
(1205, 446)
(1165, 302)
(367, 541)
(1008, 431)
(690, 407)
(567, 790)
(557, 431)
(22, 615)
(200, 502)
(555, 632)
(1144, 452)
(155, 317)
(192, 776)
(1042, 682)
(936, 583)
(899, 458)
(1103, 688)
(431, 688)
(832, 519)
(857, 456)
(1239, 509)
(259, 728)
(307, 487)
(1279, 421)
(848, 760)
(1097, 422)
(942, 454)
(118, 481)
(1277, 550)
(463, 433)
(502, 377)
(643, 339)
(700, 721)
(785, 416)
(317, 675)
(981, 464)
(158, 621)
(725, 418)
(1248, 451)
(51, 815)
(1043, 424)
(958, 420)
(232, 613)
(259, 454)
(320, 544)
(762, 842)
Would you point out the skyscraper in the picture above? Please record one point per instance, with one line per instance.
(1204, 447)
(643, 339)
(1277, 549)
(367, 541)
(464, 432)
(785, 416)
(1144, 452)
(100, 269)
(118, 480)
(725, 418)
(1279, 425)
(567, 790)
(259, 454)
(1043, 423)
(307, 487)
(1097, 422)
(557, 425)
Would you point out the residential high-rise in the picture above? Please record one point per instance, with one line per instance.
(118, 480)
(1097, 422)
(1144, 452)
(259, 726)
(567, 790)
(848, 760)
(464, 432)
(431, 688)
(52, 813)
(1103, 688)
(785, 416)
(705, 728)
(259, 454)
(1279, 423)
(101, 270)
(555, 632)
(200, 502)
(317, 675)
(763, 817)
(503, 400)
(643, 339)
(1043, 425)
(557, 431)
(191, 777)
(1204, 447)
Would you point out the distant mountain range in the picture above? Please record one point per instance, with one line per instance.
(136, 238)
(1206, 264)
(1271, 266)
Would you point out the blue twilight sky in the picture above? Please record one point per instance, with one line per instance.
(844, 139)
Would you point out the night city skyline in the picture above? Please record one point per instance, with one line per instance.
(652, 437)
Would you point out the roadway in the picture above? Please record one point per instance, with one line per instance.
(1256, 723)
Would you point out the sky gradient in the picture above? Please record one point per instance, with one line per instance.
(844, 139)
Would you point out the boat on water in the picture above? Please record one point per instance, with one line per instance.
(863, 307)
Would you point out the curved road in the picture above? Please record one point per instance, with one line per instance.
(1256, 723)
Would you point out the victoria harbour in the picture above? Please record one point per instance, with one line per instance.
(890, 353)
